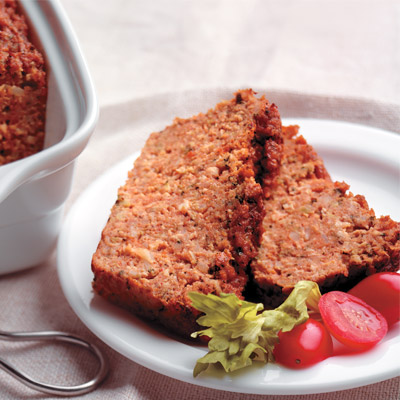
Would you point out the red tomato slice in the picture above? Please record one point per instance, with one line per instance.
(306, 344)
(381, 291)
(352, 321)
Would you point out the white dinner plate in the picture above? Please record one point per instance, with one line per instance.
(366, 158)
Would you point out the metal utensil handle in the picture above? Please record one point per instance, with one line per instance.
(48, 388)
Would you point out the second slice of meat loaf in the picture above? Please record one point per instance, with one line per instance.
(315, 229)
(189, 216)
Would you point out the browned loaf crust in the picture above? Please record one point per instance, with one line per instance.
(23, 88)
(189, 216)
(315, 229)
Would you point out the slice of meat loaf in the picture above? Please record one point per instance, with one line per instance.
(189, 216)
(314, 229)
(23, 88)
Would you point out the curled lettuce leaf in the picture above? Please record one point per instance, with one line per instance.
(241, 331)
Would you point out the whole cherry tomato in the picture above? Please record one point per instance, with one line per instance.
(381, 291)
(306, 344)
(352, 321)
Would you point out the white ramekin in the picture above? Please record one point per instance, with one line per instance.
(33, 190)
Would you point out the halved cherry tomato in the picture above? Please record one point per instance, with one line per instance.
(306, 344)
(381, 291)
(352, 321)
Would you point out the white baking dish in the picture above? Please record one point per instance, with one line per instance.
(33, 190)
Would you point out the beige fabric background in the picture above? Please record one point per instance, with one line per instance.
(152, 60)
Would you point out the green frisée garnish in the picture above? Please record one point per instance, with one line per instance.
(241, 332)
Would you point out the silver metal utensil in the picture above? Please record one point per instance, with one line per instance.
(49, 388)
